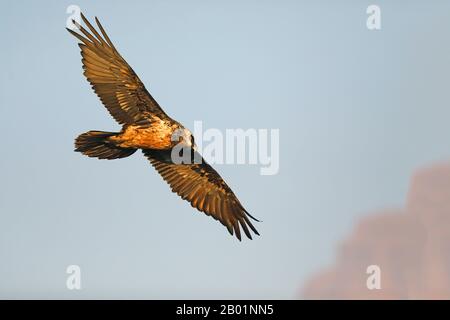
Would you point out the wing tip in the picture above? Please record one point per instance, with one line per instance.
(247, 213)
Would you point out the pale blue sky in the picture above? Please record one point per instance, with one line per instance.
(357, 110)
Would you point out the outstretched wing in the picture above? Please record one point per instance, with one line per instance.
(112, 79)
(205, 189)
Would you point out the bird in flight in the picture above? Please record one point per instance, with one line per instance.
(147, 127)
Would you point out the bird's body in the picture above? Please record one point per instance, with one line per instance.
(157, 135)
(147, 127)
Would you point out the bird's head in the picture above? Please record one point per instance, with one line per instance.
(185, 137)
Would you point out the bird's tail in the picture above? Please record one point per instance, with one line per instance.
(98, 145)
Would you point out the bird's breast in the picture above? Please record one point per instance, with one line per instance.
(158, 135)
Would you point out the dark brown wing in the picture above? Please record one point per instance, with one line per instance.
(112, 79)
(205, 189)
